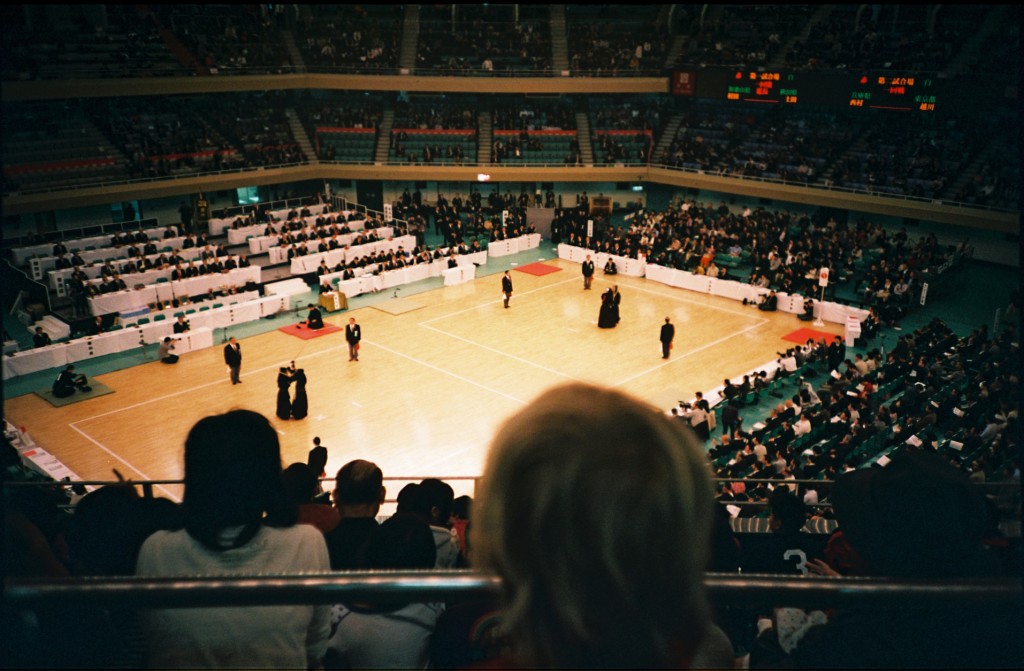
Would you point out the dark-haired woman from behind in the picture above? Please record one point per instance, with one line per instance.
(238, 521)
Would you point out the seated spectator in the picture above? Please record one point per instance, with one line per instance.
(787, 549)
(358, 494)
(432, 500)
(589, 455)
(237, 524)
(68, 381)
(916, 518)
(394, 636)
(769, 303)
(300, 484)
(610, 268)
(808, 313)
(41, 338)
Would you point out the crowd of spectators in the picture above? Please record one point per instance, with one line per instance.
(182, 135)
(623, 44)
(434, 113)
(482, 39)
(886, 37)
(529, 114)
(616, 40)
(754, 142)
(912, 157)
(775, 249)
(932, 392)
(89, 41)
(230, 39)
(352, 38)
(745, 35)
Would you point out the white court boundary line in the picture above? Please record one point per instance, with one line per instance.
(760, 321)
(688, 353)
(115, 456)
(190, 390)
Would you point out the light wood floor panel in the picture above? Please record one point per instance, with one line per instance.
(432, 384)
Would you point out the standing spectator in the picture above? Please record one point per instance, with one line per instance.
(237, 524)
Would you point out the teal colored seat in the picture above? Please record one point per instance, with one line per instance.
(116, 327)
(217, 305)
(159, 318)
(204, 308)
(190, 312)
(161, 280)
(179, 314)
(144, 320)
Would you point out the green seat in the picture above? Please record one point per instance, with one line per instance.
(116, 327)
(204, 308)
(179, 314)
(144, 320)
(217, 305)
(159, 318)
(167, 249)
(130, 326)
(161, 280)
(190, 312)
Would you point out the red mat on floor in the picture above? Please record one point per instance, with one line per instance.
(538, 269)
(300, 331)
(802, 335)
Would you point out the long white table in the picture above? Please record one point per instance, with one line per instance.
(221, 224)
(829, 311)
(124, 301)
(22, 254)
(39, 266)
(201, 334)
(302, 265)
(58, 278)
(513, 245)
(259, 243)
(279, 253)
(624, 264)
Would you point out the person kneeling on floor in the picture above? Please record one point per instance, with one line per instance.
(165, 349)
(68, 381)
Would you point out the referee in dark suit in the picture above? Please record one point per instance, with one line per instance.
(668, 333)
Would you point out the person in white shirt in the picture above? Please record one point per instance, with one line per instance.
(242, 524)
(802, 426)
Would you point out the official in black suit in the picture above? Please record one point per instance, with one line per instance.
(353, 334)
(668, 333)
(506, 288)
(588, 272)
(233, 358)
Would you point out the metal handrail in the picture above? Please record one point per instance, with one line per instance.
(405, 586)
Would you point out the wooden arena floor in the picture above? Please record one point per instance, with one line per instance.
(437, 374)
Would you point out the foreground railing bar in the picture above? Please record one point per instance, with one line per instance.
(405, 586)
